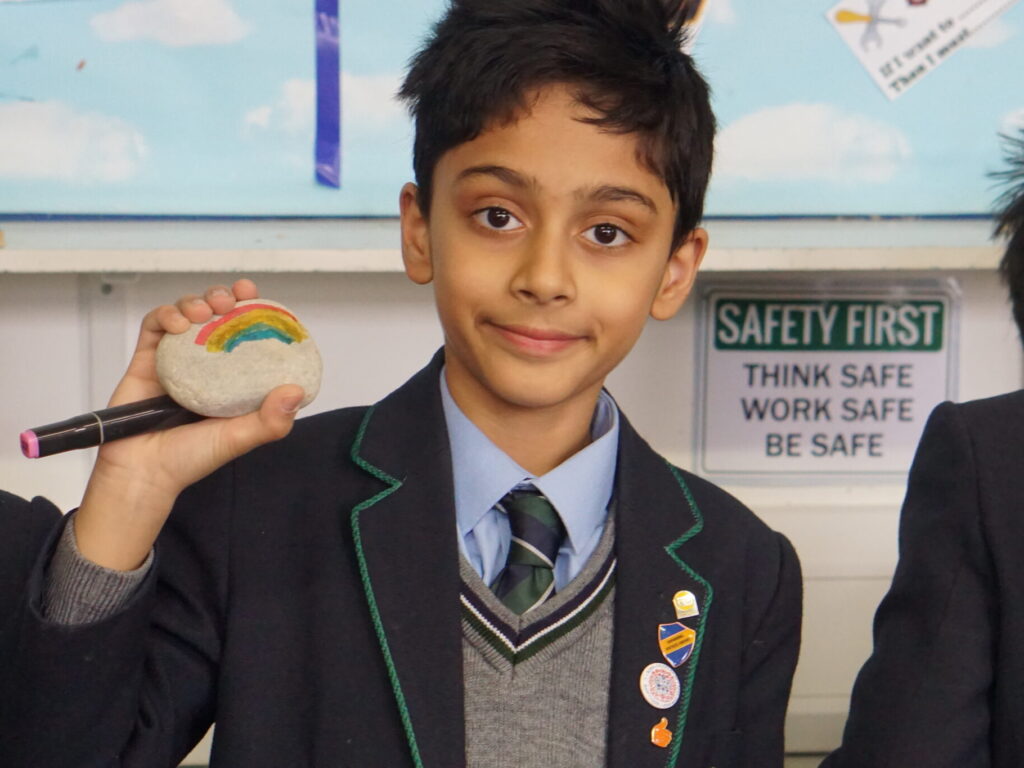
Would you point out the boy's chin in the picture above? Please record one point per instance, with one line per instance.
(539, 393)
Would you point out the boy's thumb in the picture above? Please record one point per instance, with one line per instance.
(277, 413)
(290, 400)
(272, 421)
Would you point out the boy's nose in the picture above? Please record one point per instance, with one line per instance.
(545, 271)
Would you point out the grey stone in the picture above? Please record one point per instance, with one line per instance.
(226, 366)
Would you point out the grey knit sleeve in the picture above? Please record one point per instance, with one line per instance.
(77, 591)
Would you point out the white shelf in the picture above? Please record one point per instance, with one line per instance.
(371, 245)
(850, 259)
(167, 260)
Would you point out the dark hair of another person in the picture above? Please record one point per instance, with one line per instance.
(1010, 224)
(622, 58)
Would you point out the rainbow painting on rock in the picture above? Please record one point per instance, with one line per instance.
(251, 322)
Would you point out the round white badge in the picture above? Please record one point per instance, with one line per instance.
(659, 685)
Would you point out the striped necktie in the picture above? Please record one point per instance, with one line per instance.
(528, 578)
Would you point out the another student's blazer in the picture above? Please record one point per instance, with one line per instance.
(944, 684)
(24, 527)
(306, 597)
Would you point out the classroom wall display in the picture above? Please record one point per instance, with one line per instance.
(898, 48)
(209, 107)
(822, 380)
(805, 130)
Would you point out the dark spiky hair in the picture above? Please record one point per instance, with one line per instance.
(622, 58)
(1010, 224)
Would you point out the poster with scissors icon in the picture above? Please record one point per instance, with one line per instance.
(900, 41)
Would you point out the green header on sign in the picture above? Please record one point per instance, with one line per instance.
(837, 325)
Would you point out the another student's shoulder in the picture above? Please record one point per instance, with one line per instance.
(39, 512)
(11, 504)
(24, 526)
(999, 413)
(986, 434)
(988, 425)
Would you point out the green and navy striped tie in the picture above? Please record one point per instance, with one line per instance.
(528, 578)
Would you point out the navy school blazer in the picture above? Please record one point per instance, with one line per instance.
(942, 687)
(306, 598)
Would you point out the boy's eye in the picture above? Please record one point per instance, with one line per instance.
(497, 218)
(607, 234)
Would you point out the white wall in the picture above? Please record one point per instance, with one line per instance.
(69, 337)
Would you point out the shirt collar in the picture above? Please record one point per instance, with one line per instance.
(580, 487)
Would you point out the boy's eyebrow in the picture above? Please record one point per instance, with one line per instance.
(507, 175)
(605, 192)
(608, 192)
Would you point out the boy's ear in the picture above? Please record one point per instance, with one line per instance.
(415, 236)
(680, 272)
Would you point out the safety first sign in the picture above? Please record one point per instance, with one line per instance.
(821, 383)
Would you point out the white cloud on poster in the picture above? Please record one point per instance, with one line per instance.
(174, 23)
(1012, 123)
(258, 118)
(293, 112)
(367, 100)
(296, 107)
(52, 141)
(810, 142)
(992, 35)
(370, 99)
(720, 12)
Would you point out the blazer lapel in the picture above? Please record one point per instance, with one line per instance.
(657, 516)
(407, 549)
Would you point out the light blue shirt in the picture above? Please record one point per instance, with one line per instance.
(579, 488)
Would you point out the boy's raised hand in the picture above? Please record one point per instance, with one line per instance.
(135, 480)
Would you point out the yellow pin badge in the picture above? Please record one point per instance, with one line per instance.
(685, 603)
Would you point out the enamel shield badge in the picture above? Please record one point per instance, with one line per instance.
(676, 642)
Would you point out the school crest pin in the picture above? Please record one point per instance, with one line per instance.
(676, 642)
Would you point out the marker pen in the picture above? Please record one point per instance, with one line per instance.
(100, 427)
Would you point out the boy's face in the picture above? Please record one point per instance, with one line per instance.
(548, 244)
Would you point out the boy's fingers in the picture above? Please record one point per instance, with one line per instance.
(220, 298)
(194, 308)
(170, 319)
(245, 289)
(157, 322)
(217, 299)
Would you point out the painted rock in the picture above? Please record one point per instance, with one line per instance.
(227, 365)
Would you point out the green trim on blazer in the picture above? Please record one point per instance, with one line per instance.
(691, 671)
(393, 484)
(378, 626)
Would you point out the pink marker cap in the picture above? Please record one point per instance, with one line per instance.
(30, 444)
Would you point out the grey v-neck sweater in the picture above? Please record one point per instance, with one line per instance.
(536, 686)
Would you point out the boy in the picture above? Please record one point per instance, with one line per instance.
(942, 686)
(312, 596)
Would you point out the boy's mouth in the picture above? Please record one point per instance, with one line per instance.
(536, 340)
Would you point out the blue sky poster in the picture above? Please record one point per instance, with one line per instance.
(207, 107)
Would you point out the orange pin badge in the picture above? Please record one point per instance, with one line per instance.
(661, 736)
